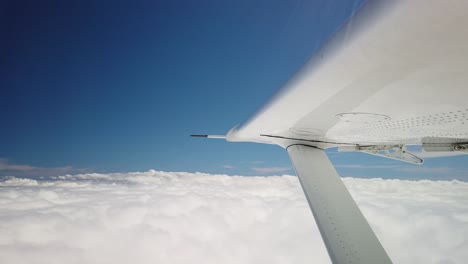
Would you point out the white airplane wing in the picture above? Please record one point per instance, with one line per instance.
(395, 74)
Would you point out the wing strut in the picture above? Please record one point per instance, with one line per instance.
(346, 233)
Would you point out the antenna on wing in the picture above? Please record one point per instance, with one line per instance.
(209, 136)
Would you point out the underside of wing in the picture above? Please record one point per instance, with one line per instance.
(387, 77)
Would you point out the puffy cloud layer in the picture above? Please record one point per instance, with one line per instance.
(161, 217)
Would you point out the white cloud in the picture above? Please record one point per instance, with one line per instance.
(407, 170)
(21, 170)
(5, 165)
(162, 217)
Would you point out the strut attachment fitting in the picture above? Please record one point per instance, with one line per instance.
(461, 147)
(396, 152)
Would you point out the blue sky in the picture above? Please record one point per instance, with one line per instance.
(111, 86)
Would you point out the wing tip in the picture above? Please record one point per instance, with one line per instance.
(199, 136)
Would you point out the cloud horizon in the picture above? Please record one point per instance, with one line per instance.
(178, 217)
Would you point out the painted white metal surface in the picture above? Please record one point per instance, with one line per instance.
(397, 73)
(346, 233)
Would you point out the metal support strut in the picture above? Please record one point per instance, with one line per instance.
(346, 233)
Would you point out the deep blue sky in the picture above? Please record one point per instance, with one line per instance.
(119, 85)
